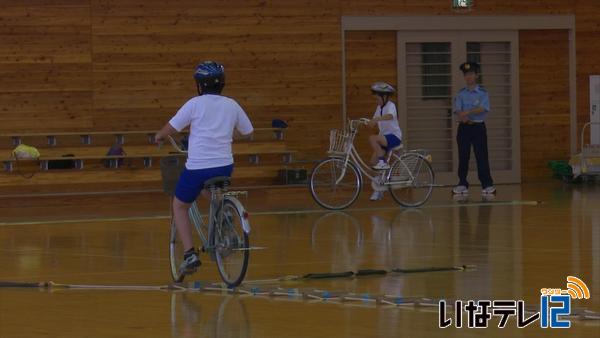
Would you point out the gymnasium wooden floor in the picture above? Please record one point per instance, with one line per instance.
(530, 237)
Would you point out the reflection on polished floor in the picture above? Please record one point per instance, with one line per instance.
(529, 237)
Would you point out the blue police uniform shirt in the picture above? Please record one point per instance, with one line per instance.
(467, 99)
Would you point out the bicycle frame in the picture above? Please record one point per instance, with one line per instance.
(352, 155)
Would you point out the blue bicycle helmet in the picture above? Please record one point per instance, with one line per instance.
(210, 77)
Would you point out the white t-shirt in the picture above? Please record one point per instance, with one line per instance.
(389, 126)
(212, 119)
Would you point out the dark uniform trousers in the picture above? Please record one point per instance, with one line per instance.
(473, 134)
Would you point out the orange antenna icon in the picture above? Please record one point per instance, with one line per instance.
(577, 288)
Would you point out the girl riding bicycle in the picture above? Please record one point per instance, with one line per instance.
(390, 134)
(212, 119)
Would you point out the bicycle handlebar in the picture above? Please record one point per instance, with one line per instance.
(174, 144)
(363, 121)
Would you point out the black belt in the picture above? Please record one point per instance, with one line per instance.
(471, 123)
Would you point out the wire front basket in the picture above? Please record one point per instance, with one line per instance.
(170, 169)
(339, 142)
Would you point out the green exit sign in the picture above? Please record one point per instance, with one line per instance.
(462, 3)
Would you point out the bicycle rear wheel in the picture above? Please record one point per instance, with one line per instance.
(411, 180)
(232, 245)
(325, 188)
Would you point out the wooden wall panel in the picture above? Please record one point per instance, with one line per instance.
(544, 76)
(282, 61)
(45, 65)
(127, 64)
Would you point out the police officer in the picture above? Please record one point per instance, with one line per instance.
(471, 107)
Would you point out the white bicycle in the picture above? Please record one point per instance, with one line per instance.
(336, 181)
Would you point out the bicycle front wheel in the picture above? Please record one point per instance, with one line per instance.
(411, 180)
(232, 245)
(175, 252)
(335, 183)
(176, 245)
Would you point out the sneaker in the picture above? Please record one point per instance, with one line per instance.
(381, 166)
(489, 190)
(376, 195)
(460, 190)
(189, 265)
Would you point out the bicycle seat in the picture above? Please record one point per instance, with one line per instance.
(398, 147)
(217, 182)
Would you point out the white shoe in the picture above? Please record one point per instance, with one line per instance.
(376, 196)
(381, 166)
(189, 265)
(460, 190)
(489, 190)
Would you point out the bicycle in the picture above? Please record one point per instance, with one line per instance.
(335, 182)
(225, 237)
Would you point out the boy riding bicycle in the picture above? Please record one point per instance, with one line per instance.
(212, 119)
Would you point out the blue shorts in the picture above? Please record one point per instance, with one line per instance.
(191, 182)
(392, 142)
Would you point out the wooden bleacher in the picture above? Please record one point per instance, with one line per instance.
(86, 137)
(85, 153)
(258, 161)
